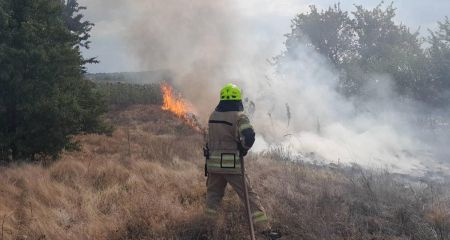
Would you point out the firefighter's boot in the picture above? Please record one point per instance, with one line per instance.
(271, 234)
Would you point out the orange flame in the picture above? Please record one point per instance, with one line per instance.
(172, 103)
(181, 108)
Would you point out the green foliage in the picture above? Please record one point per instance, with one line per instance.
(440, 62)
(368, 42)
(130, 88)
(124, 94)
(330, 32)
(44, 99)
(76, 24)
(385, 47)
(146, 77)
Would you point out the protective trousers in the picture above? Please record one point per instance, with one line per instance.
(216, 184)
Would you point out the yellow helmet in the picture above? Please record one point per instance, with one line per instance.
(230, 92)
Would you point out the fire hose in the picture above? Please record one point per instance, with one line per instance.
(247, 201)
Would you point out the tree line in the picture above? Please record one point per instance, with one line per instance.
(368, 41)
(117, 94)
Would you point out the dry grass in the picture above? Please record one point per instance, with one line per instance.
(146, 182)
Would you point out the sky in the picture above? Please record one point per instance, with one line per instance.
(267, 19)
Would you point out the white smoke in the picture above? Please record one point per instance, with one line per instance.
(209, 43)
(329, 127)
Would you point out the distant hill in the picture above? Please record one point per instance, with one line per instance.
(132, 77)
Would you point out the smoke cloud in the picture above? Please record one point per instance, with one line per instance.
(193, 39)
(209, 43)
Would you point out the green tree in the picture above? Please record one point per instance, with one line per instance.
(387, 47)
(44, 99)
(439, 51)
(360, 44)
(76, 24)
(329, 32)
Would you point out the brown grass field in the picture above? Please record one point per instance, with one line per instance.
(146, 181)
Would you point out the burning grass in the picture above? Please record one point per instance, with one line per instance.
(175, 104)
(146, 182)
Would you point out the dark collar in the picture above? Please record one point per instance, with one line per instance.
(230, 106)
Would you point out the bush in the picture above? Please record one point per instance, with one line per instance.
(125, 94)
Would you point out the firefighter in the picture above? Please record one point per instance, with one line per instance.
(231, 134)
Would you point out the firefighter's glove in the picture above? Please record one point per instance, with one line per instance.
(242, 150)
(244, 153)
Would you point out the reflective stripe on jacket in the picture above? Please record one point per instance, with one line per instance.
(224, 135)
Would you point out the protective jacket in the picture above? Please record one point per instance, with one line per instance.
(230, 135)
